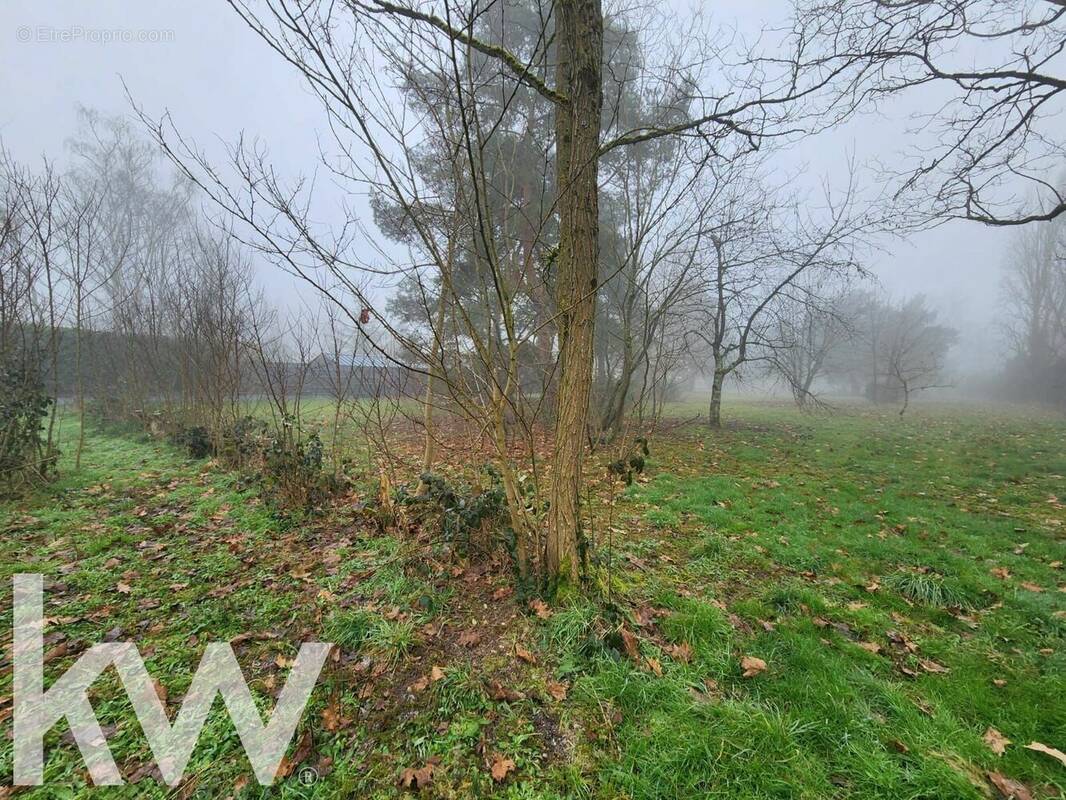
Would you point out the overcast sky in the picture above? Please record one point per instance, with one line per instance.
(199, 61)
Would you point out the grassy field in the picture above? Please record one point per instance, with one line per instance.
(846, 606)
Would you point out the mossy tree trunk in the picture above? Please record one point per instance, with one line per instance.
(579, 39)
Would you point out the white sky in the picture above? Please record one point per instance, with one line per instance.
(218, 80)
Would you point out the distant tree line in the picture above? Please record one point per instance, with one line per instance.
(1034, 314)
(119, 298)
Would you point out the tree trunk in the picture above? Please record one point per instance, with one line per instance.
(429, 453)
(714, 413)
(579, 39)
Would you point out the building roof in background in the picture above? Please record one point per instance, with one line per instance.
(352, 360)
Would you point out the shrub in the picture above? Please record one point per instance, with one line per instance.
(292, 470)
(244, 442)
(26, 454)
(196, 439)
(470, 520)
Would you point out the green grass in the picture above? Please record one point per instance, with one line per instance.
(897, 577)
(797, 539)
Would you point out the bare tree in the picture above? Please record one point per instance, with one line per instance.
(764, 251)
(809, 327)
(1035, 312)
(999, 65)
(916, 349)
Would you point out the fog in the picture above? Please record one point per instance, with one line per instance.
(202, 65)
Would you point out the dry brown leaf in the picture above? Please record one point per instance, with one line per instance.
(752, 666)
(123, 588)
(629, 642)
(420, 778)
(299, 755)
(501, 767)
(497, 691)
(420, 685)
(1058, 755)
(1000, 572)
(58, 651)
(680, 652)
(644, 617)
(332, 718)
(1009, 788)
(996, 741)
(436, 674)
(540, 608)
(503, 592)
(931, 666)
(557, 690)
(469, 638)
(1032, 587)
(870, 647)
(524, 654)
(655, 666)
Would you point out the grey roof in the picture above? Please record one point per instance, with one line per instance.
(351, 360)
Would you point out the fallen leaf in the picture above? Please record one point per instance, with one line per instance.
(996, 741)
(332, 718)
(469, 638)
(1051, 751)
(540, 608)
(1009, 788)
(931, 666)
(557, 690)
(1032, 587)
(501, 767)
(436, 674)
(123, 588)
(644, 617)
(524, 654)
(629, 642)
(655, 666)
(680, 652)
(299, 755)
(420, 778)
(497, 691)
(752, 666)
(502, 592)
(870, 647)
(1000, 572)
(58, 651)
